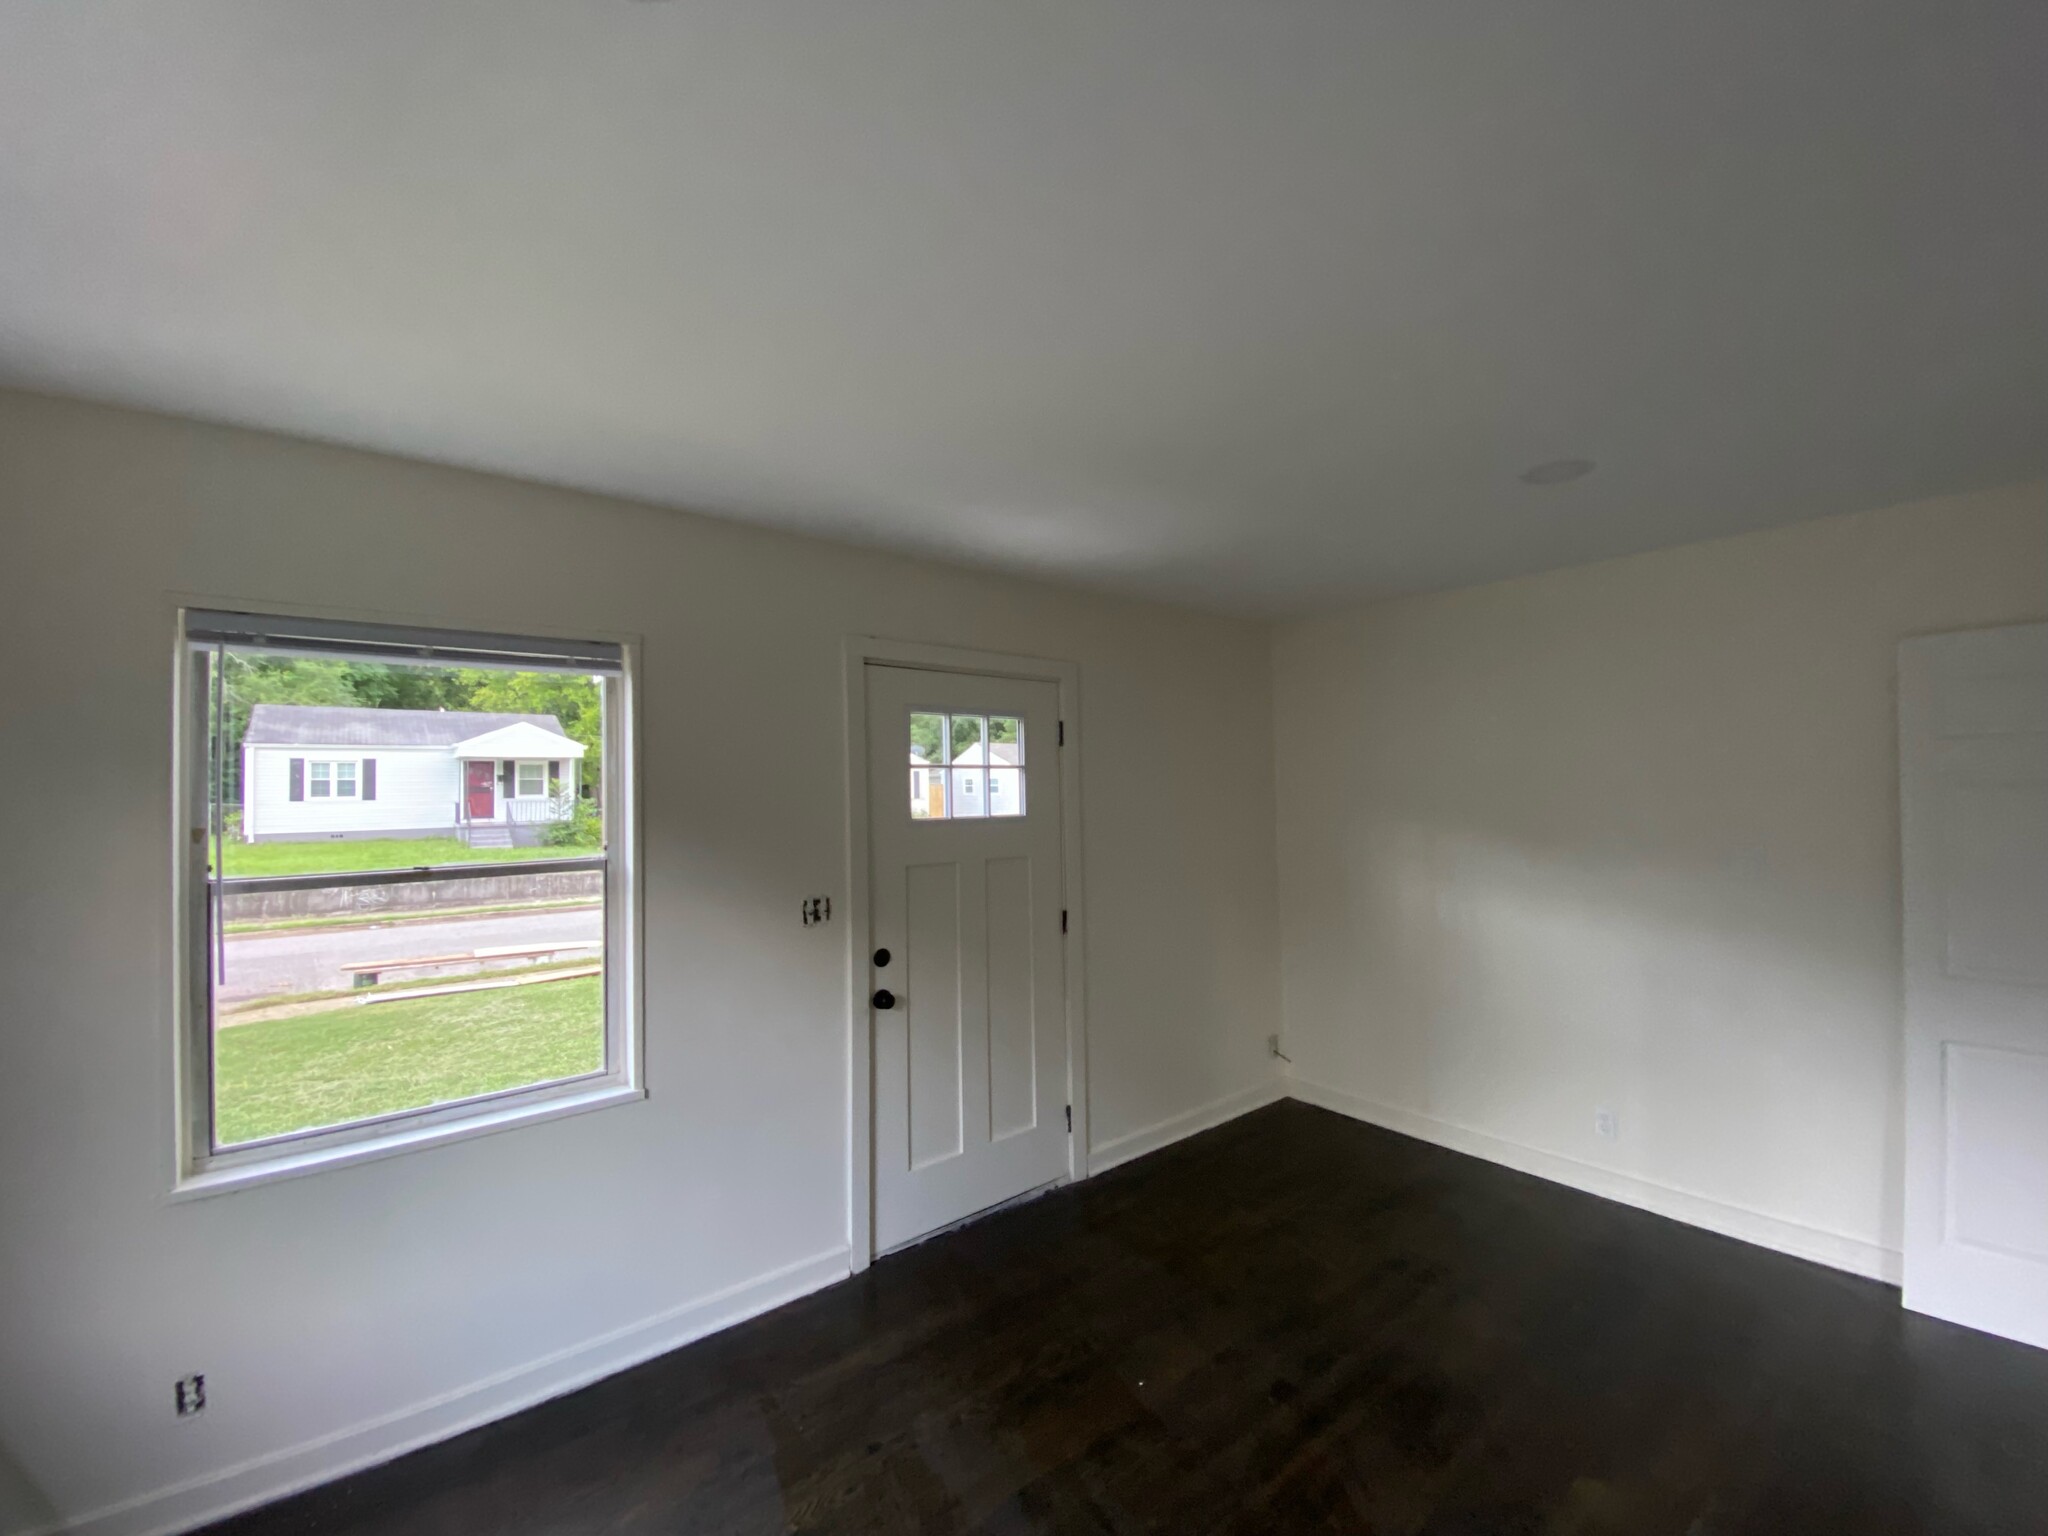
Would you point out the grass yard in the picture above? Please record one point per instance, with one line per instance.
(358, 1060)
(335, 855)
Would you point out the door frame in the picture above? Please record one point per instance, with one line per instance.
(859, 652)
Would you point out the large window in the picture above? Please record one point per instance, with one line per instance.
(408, 887)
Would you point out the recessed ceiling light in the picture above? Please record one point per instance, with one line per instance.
(1557, 471)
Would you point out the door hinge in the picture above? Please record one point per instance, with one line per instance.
(1070, 1119)
(1063, 733)
(1063, 919)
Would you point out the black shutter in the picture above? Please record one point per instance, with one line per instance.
(298, 778)
(505, 772)
(555, 770)
(369, 778)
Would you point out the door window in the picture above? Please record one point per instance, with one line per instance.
(965, 765)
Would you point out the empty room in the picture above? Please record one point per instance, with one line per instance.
(1098, 766)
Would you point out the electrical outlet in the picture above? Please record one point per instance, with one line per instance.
(1606, 1125)
(191, 1395)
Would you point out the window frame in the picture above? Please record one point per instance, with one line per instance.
(519, 767)
(202, 1168)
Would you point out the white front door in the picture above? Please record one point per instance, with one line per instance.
(1973, 751)
(967, 990)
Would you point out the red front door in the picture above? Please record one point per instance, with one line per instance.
(483, 794)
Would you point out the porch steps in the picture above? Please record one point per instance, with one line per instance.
(490, 837)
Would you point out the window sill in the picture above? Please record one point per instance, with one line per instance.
(292, 1165)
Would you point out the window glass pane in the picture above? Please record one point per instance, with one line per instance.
(441, 799)
(335, 1001)
(928, 794)
(1006, 792)
(970, 792)
(928, 738)
(970, 741)
(459, 987)
(1005, 739)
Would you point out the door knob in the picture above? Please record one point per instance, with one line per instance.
(885, 998)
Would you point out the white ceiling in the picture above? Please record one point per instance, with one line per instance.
(1262, 305)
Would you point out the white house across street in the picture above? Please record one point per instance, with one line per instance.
(316, 771)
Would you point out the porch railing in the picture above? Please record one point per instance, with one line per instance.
(527, 813)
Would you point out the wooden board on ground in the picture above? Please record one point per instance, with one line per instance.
(365, 972)
(448, 989)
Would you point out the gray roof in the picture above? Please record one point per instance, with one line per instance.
(330, 725)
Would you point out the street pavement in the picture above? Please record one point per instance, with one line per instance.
(310, 959)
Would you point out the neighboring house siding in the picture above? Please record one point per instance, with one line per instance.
(416, 792)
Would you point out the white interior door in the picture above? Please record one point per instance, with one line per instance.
(967, 992)
(1973, 722)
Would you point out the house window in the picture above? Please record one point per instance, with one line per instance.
(983, 772)
(309, 1038)
(331, 780)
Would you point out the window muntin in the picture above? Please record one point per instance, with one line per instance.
(419, 1022)
(965, 765)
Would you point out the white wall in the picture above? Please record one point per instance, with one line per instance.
(416, 791)
(339, 1305)
(1626, 836)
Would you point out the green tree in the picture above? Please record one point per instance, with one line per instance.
(382, 685)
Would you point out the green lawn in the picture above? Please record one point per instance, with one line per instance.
(328, 857)
(358, 1060)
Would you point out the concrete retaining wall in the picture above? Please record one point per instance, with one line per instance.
(418, 896)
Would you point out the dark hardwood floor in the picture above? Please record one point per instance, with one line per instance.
(1292, 1323)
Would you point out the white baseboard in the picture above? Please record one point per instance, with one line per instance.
(306, 1465)
(1833, 1249)
(1151, 1138)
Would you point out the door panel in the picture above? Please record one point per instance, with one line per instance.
(1997, 840)
(1997, 1150)
(1012, 1038)
(970, 1062)
(1973, 751)
(932, 1008)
